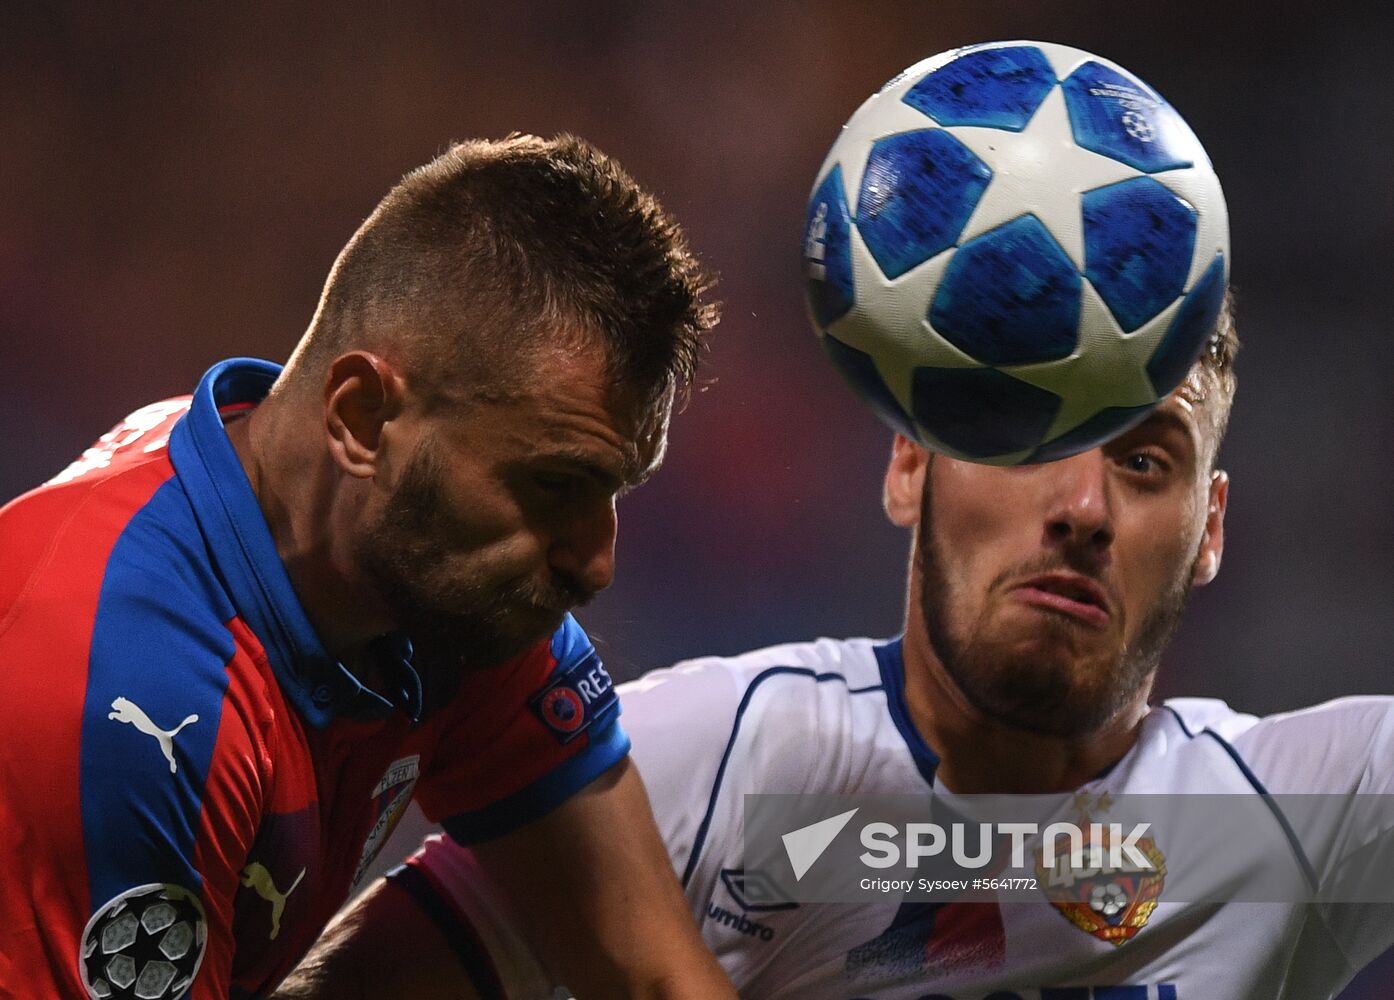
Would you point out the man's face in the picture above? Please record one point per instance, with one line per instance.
(1049, 591)
(503, 517)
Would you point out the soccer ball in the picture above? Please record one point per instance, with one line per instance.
(1014, 251)
(1108, 900)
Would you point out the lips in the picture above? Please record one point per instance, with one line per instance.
(1069, 594)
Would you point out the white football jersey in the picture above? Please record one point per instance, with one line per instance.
(829, 717)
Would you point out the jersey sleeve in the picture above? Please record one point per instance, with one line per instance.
(474, 915)
(131, 870)
(521, 738)
(1331, 768)
(679, 720)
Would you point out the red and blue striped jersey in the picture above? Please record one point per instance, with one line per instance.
(189, 784)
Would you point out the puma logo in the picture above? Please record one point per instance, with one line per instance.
(258, 879)
(125, 710)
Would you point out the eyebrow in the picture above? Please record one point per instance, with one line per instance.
(629, 475)
(1167, 417)
(1163, 420)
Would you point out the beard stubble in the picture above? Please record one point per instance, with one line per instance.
(1043, 693)
(457, 621)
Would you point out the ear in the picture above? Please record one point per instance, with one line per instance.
(905, 482)
(1212, 540)
(361, 394)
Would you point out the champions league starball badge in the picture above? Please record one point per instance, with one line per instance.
(145, 943)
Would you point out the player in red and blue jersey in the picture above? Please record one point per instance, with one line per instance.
(245, 628)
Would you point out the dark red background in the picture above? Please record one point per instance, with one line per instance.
(175, 181)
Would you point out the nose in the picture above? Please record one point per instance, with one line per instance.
(582, 554)
(1080, 514)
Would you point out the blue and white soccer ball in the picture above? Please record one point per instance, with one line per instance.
(1014, 251)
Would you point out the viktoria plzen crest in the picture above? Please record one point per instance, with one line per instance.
(1098, 888)
(390, 800)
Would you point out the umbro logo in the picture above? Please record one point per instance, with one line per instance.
(755, 891)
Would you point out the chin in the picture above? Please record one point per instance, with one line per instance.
(526, 628)
(456, 628)
(1045, 689)
(523, 629)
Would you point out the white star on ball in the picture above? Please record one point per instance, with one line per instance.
(891, 322)
(1039, 170)
(1107, 369)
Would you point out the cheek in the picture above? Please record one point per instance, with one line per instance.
(488, 547)
(495, 535)
(474, 511)
(972, 544)
(1158, 552)
(983, 519)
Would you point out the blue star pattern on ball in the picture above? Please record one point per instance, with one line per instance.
(917, 193)
(995, 87)
(1026, 210)
(1139, 240)
(1010, 296)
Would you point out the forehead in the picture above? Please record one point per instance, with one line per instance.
(1179, 411)
(1198, 403)
(1180, 422)
(565, 406)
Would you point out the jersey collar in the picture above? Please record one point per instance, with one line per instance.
(240, 543)
(891, 661)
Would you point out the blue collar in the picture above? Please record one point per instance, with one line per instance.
(890, 659)
(244, 554)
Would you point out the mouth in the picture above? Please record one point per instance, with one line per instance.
(1069, 594)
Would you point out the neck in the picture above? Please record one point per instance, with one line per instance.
(982, 755)
(301, 497)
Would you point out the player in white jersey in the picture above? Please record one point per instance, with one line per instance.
(1040, 601)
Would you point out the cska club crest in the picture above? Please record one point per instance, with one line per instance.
(1100, 889)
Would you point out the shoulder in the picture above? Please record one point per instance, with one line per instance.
(1342, 745)
(60, 536)
(707, 730)
(764, 719)
(111, 479)
(112, 595)
(797, 669)
(794, 686)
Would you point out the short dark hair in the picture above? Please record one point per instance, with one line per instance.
(498, 248)
(1216, 366)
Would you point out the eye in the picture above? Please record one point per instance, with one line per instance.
(553, 483)
(1145, 463)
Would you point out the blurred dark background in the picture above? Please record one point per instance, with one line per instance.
(175, 181)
